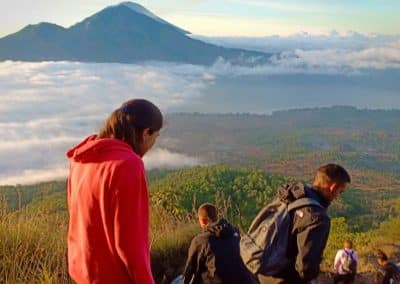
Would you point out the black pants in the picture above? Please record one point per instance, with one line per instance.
(343, 278)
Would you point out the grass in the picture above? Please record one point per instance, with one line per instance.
(33, 243)
(32, 246)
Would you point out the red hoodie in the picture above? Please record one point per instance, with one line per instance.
(108, 204)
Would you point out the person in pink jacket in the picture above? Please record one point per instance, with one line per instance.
(345, 264)
(108, 201)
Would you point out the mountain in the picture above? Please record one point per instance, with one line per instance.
(140, 9)
(124, 33)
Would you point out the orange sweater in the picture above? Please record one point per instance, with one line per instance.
(108, 204)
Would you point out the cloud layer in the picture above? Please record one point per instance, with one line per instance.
(319, 53)
(47, 107)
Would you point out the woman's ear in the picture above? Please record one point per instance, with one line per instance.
(147, 132)
(148, 138)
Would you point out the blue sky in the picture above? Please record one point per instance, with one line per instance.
(224, 17)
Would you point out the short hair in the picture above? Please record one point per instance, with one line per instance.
(128, 122)
(332, 173)
(348, 244)
(381, 255)
(208, 211)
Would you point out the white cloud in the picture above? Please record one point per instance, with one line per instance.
(306, 41)
(47, 107)
(162, 158)
(31, 176)
(320, 54)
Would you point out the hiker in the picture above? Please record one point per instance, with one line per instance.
(286, 240)
(214, 254)
(108, 202)
(345, 264)
(388, 273)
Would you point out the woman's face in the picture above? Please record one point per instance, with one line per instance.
(148, 139)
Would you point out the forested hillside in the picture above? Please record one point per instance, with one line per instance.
(295, 142)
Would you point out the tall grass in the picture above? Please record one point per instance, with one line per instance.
(33, 243)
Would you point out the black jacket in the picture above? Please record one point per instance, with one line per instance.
(214, 257)
(309, 234)
(385, 273)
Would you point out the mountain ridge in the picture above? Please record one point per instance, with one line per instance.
(117, 34)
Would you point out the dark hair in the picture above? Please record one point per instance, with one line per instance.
(128, 122)
(209, 211)
(381, 255)
(332, 173)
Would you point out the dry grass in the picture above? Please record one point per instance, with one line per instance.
(33, 247)
(33, 244)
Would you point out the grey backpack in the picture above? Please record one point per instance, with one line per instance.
(264, 248)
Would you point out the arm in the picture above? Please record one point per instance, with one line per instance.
(192, 266)
(311, 242)
(337, 262)
(131, 221)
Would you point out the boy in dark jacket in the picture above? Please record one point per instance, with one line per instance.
(214, 255)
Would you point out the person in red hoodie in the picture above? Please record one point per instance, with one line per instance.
(108, 201)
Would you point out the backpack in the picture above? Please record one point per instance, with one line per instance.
(349, 264)
(395, 279)
(264, 248)
(394, 274)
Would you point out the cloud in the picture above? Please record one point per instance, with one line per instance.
(313, 54)
(162, 158)
(31, 176)
(47, 107)
(306, 41)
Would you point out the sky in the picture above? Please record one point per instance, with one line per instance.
(224, 17)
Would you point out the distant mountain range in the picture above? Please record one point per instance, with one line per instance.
(125, 33)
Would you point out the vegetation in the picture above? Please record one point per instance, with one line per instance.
(33, 244)
(295, 142)
(258, 153)
(238, 193)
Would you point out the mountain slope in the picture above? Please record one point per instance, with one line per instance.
(140, 9)
(116, 34)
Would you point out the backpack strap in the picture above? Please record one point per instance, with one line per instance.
(304, 201)
(351, 253)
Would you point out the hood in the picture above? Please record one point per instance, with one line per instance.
(89, 149)
(290, 192)
(221, 229)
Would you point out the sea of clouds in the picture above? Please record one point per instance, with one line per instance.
(47, 107)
